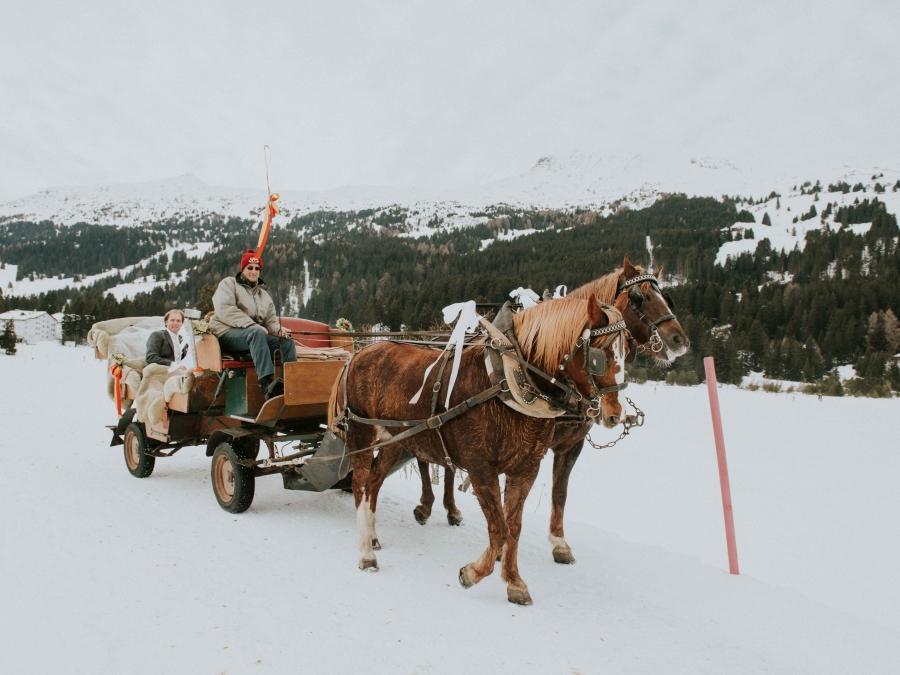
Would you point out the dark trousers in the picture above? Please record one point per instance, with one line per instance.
(261, 347)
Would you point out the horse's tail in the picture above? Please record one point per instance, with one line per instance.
(335, 406)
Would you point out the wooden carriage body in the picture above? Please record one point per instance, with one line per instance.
(226, 411)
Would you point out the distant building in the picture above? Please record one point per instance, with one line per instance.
(31, 327)
(59, 319)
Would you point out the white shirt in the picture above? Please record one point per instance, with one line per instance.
(178, 346)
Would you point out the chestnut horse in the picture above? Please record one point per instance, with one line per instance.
(569, 435)
(488, 440)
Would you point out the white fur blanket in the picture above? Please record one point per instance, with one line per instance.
(156, 389)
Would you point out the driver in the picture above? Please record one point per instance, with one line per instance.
(245, 320)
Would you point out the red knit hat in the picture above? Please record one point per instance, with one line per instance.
(250, 257)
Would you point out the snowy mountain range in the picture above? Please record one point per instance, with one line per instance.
(578, 180)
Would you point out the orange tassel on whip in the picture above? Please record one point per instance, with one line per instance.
(271, 212)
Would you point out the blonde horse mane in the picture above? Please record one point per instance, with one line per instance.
(548, 331)
(604, 288)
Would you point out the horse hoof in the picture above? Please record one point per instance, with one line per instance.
(563, 556)
(368, 565)
(465, 580)
(454, 519)
(421, 518)
(376, 544)
(519, 596)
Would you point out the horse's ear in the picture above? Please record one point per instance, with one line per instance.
(630, 270)
(621, 301)
(658, 273)
(595, 314)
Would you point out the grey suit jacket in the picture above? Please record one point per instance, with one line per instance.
(161, 350)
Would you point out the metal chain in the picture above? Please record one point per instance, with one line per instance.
(637, 422)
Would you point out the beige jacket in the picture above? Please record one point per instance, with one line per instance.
(238, 305)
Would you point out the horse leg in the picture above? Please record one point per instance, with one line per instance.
(487, 491)
(423, 511)
(365, 519)
(518, 485)
(384, 462)
(368, 476)
(563, 461)
(454, 517)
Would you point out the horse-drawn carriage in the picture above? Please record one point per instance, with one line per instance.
(524, 384)
(220, 406)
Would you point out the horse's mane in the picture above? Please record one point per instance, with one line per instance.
(548, 331)
(604, 288)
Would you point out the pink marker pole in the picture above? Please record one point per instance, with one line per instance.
(710, 366)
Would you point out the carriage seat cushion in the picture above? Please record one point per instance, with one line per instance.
(237, 356)
(241, 360)
(294, 324)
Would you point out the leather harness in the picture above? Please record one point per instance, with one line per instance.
(571, 401)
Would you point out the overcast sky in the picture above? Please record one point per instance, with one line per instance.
(433, 93)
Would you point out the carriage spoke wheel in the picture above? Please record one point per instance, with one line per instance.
(233, 484)
(139, 463)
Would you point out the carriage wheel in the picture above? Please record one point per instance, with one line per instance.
(233, 484)
(139, 463)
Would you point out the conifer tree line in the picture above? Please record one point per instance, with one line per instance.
(793, 315)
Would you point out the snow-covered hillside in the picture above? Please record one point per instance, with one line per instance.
(785, 234)
(106, 573)
(27, 287)
(580, 179)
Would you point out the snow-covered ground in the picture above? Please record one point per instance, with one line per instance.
(104, 573)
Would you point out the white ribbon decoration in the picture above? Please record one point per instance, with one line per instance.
(525, 297)
(560, 292)
(466, 322)
(179, 344)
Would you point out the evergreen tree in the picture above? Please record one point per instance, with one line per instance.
(8, 338)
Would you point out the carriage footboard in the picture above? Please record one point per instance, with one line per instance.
(320, 476)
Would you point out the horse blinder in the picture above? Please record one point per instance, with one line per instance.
(636, 297)
(669, 301)
(596, 361)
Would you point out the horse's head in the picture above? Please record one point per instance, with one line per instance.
(650, 313)
(597, 365)
(584, 344)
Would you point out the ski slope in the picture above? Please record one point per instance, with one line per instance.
(105, 573)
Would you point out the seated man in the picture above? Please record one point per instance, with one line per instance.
(245, 320)
(161, 344)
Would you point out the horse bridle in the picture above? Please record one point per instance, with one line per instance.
(595, 359)
(636, 301)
